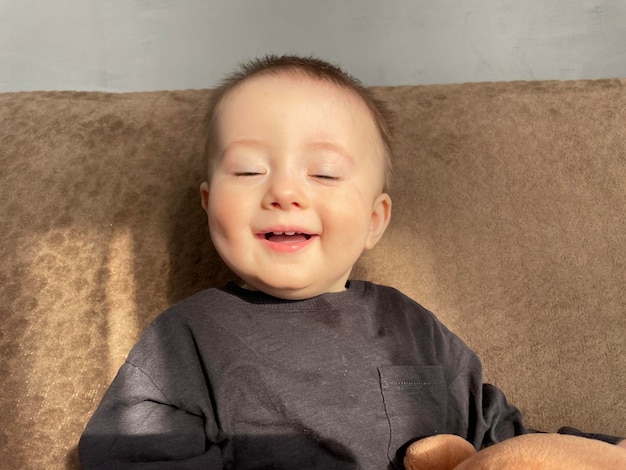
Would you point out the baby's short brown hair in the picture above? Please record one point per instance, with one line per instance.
(314, 68)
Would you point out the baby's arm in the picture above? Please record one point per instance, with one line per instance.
(136, 427)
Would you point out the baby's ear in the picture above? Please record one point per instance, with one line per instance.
(381, 214)
(204, 194)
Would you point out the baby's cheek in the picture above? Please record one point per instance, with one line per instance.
(222, 229)
(222, 210)
(216, 223)
(348, 227)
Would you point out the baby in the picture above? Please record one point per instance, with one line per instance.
(297, 367)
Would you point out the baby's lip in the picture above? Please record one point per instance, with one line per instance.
(285, 231)
(275, 234)
(286, 239)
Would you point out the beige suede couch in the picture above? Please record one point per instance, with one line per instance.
(509, 222)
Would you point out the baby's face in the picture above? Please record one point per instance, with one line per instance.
(295, 194)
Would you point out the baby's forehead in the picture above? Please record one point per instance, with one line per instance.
(326, 103)
(288, 98)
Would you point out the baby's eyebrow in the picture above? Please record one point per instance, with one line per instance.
(243, 143)
(332, 147)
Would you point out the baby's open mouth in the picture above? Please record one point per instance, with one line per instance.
(287, 237)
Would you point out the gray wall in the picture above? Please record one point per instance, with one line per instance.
(126, 45)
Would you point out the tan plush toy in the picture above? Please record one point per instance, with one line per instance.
(528, 452)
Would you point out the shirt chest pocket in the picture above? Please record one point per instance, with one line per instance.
(415, 402)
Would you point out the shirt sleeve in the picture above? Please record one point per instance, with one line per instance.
(477, 411)
(600, 437)
(137, 427)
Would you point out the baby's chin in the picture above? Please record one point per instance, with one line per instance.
(291, 292)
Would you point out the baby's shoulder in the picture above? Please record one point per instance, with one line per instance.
(394, 300)
(202, 306)
(399, 307)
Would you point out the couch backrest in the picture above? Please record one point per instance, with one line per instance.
(508, 223)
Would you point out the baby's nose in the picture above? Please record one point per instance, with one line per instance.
(285, 192)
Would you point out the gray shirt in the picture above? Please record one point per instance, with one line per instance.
(230, 378)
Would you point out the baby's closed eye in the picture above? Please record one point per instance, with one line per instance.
(328, 169)
(247, 173)
(327, 177)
